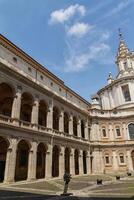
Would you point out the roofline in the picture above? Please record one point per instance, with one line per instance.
(27, 58)
(114, 82)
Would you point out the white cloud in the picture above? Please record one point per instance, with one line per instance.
(79, 29)
(62, 15)
(78, 61)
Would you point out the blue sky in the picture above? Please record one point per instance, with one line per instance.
(75, 39)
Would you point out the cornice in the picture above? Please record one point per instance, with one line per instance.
(28, 59)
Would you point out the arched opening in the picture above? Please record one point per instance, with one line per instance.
(131, 131)
(76, 161)
(21, 169)
(132, 155)
(3, 153)
(66, 123)
(41, 161)
(55, 118)
(6, 99)
(26, 107)
(67, 160)
(82, 129)
(42, 114)
(84, 162)
(75, 126)
(55, 161)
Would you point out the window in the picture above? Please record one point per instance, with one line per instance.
(29, 69)
(41, 77)
(15, 59)
(126, 93)
(118, 133)
(131, 131)
(104, 132)
(121, 157)
(107, 159)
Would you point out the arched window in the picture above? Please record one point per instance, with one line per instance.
(26, 107)
(6, 99)
(55, 118)
(66, 123)
(131, 131)
(104, 134)
(118, 132)
(107, 159)
(42, 113)
(82, 129)
(121, 158)
(75, 126)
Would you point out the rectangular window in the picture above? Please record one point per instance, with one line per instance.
(104, 132)
(126, 93)
(118, 133)
(107, 159)
(121, 159)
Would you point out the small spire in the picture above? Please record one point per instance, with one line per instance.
(120, 34)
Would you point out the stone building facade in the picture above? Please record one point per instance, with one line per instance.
(47, 129)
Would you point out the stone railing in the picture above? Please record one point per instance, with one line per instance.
(27, 125)
(5, 119)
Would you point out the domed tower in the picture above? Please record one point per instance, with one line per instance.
(124, 59)
(119, 92)
(112, 113)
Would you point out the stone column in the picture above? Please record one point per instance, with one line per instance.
(32, 161)
(81, 162)
(79, 128)
(88, 163)
(48, 173)
(11, 162)
(115, 161)
(129, 161)
(72, 164)
(62, 162)
(16, 107)
(50, 115)
(35, 113)
(71, 124)
(61, 121)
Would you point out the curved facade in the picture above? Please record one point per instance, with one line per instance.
(47, 129)
(112, 130)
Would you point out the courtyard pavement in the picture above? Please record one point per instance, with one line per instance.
(83, 188)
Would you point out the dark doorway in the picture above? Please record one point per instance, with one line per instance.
(84, 162)
(41, 160)
(55, 162)
(2, 170)
(76, 159)
(67, 160)
(21, 169)
(3, 153)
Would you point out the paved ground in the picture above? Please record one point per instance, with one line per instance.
(83, 188)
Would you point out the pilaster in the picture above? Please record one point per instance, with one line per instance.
(11, 161)
(32, 161)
